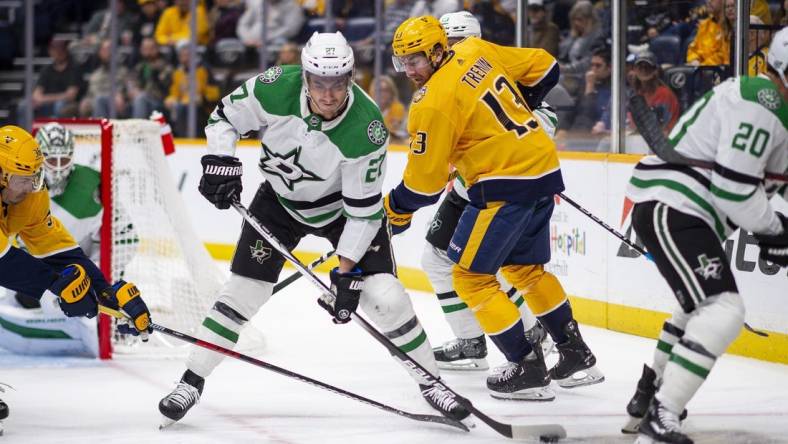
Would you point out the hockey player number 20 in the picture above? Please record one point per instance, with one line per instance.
(757, 139)
(490, 99)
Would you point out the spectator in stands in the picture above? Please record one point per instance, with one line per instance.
(394, 14)
(149, 81)
(175, 24)
(660, 97)
(543, 33)
(758, 48)
(96, 102)
(285, 20)
(289, 54)
(595, 100)
(56, 91)
(149, 17)
(98, 27)
(574, 52)
(385, 94)
(223, 19)
(497, 24)
(313, 8)
(437, 8)
(710, 45)
(177, 101)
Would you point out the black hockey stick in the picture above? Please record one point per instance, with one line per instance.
(290, 374)
(607, 227)
(636, 247)
(295, 276)
(526, 432)
(648, 126)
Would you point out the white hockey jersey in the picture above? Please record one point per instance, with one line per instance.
(319, 169)
(742, 127)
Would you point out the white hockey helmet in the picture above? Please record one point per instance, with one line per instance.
(461, 24)
(327, 54)
(778, 54)
(57, 146)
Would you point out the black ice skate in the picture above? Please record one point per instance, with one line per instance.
(660, 425)
(186, 394)
(446, 403)
(3, 414)
(462, 354)
(638, 405)
(527, 380)
(576, 365)
(537, 335)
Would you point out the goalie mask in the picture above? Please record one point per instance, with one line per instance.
(20, 161)
(328, 68)
(57, 145)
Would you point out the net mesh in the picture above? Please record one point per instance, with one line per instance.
(153, 242)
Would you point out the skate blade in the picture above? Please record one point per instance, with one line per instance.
(643, 439)
(631, 427)
(166, 423)
(539, 394)
(467, 365)
(589, 376)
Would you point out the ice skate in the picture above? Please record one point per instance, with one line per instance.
(638, 405)
(444, 402)
(660, 425)
(187, 393)
(527, 380)
(462, 354)
(537, 335)
(576, 365)
(3, 414)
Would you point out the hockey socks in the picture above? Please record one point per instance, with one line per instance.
(222, 327)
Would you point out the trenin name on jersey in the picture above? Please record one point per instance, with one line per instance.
(476, 73)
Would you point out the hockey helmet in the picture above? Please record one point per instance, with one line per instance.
(20, 158)
(418, 35)
(460, 25)
(327, 54)
(778, 54)
(57, 146)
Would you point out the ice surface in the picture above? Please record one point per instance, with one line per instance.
(68, 400)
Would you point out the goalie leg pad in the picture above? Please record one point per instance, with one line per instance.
(388, 306)
(714, 325)
(238, 301)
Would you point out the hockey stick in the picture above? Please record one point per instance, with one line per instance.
(520, 432)
(648, 126)
(295, 276)
(636, 247)
(256, 362)
(607, 227)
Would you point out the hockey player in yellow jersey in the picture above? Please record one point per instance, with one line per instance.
(472, 111)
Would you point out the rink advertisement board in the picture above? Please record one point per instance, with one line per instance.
(612, 285)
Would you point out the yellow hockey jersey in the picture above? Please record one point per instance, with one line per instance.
(471, 115)
(42, 233)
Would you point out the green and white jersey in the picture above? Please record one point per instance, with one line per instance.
(79, 208)
(319, 169)
(742, 127)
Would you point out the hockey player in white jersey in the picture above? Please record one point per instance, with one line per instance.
(682, 214)
(323, 158)
(468, 351)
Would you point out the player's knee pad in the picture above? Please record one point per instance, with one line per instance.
(385, 301)
(245, 295)
(541, 289)
(716, 322)
(438, 268)
(483, 295)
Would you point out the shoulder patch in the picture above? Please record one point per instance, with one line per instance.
(377, 132)
(769, 98)
(270, 75)
(418, 95)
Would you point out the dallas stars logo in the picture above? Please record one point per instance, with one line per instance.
(709, 268)
(286, 167)
(260, 252)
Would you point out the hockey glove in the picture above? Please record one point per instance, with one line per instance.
(399, 220)
(347, 288)
(125, 297)
(74, 292)
(774, 247)
(221, 180)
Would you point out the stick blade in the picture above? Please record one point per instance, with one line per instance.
(542, 432)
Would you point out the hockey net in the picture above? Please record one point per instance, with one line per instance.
(146, 235)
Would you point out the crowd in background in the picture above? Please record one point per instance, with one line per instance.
(677, 50)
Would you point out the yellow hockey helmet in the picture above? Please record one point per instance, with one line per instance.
(20, 155)
(419, 34)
